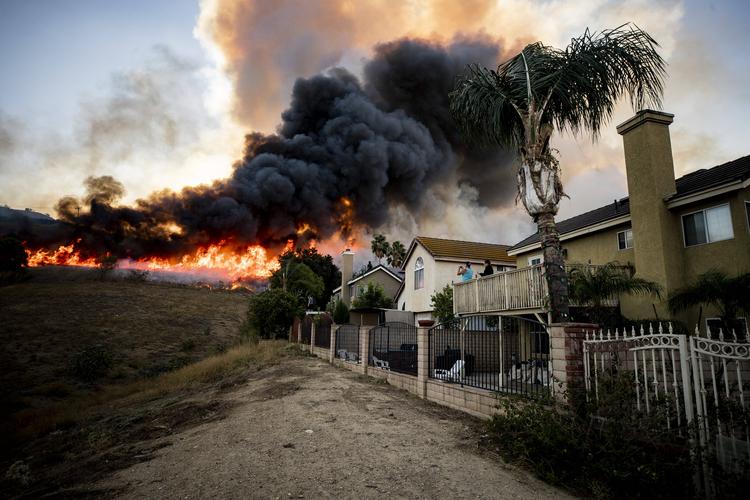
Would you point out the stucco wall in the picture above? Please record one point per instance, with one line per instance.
(594, 248)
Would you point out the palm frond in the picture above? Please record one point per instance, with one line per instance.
(483, 108)
(594, 72)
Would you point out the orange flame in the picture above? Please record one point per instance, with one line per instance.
(65, 255)
(250, 262)
(346, 220)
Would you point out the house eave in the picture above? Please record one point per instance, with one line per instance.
(706, 193)
(574, 234)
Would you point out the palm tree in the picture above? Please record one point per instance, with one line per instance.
(379, 246)
(396, 254)
(592, 287)
(731, 296)
(520, 104)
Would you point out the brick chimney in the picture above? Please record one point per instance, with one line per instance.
(657, 239)
(347, 271)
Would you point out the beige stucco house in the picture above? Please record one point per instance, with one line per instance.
(431, 263)
(352, 286)
(670, 230)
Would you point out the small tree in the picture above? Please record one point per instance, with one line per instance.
(271, 313)
(298, 279)
(373, 296)
(396, 254)
(340, 313)
(442, 304)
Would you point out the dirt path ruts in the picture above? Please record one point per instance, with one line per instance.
(368, 440)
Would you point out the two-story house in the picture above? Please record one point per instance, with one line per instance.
(670, 230)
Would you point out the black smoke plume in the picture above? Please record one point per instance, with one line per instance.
(380, 142)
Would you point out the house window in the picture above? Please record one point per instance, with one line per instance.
(535, 260)
(707, 226)
(625, 239)
(739, 326)
(419, 274)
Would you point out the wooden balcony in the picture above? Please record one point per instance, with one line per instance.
(518, 291)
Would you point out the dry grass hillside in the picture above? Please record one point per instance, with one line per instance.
(89, 366)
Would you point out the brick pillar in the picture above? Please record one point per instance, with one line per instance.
(332, 355)
(364, 348)
(423, 365)
(566, 351)
(312, 335)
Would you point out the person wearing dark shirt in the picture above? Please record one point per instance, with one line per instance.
(487, 269)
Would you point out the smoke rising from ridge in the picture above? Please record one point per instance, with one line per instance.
(384, 142)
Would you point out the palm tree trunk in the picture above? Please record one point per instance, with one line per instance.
(554, 267)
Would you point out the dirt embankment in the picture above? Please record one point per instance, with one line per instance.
(308, 430)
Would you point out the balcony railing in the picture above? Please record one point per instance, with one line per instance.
(522, 289)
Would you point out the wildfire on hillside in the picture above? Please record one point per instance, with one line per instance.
(224, 260)
(236, 264)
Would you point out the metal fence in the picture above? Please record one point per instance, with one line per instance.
(323, 333)
(347, 343)
(393, 346)
(306, 330)
(504, 354)
(694, 384)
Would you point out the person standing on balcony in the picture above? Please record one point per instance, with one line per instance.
(466, 272)
(487, 269)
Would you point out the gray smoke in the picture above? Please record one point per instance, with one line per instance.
(385, 142)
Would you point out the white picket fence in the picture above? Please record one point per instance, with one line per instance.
(697, 382)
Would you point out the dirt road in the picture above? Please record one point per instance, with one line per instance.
(309, 430)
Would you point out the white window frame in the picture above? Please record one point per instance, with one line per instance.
(532, 258)
(703, 210)
(625, 238)
(418, 266)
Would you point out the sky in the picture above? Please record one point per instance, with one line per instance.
(159, 94)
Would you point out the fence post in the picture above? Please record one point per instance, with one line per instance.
(423, 364)
(332, 344)
(566, 352)
(312, 336)
(364, 348)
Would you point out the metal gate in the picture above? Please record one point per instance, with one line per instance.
(393, 346)
(697, 383)
(498, 353)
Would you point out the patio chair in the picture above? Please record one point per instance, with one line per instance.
(385, 365)
(453, 374)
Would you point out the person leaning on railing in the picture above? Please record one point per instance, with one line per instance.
(466, 272)
(487, 268)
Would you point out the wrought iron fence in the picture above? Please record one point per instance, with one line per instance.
(323, 333)
(347, 343)
(393, 346)
(504, 354)
(694, 385)
(306, 330)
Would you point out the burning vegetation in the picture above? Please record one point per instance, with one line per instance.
(346, 154)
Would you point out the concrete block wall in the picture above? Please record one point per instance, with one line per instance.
(565, 351)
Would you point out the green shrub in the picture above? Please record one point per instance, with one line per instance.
(614, 457)
(270, 313)
(340, 313)
(442, 304)
(91, 363)
(373, 296)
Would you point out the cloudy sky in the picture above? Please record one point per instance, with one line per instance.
(159, 94)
